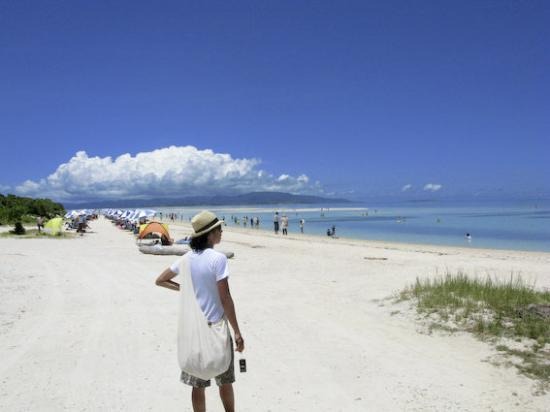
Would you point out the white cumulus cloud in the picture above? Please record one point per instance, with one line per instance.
(406, 187)
(168, 172)
(432, 187)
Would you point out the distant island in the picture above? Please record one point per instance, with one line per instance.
(253, 198)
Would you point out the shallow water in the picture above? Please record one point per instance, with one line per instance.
(504, 225)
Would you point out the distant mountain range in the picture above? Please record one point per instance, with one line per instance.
(254, 198)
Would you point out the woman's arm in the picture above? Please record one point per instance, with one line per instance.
(229, 309)
(165, 280)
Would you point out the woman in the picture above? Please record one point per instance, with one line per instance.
(209, 273)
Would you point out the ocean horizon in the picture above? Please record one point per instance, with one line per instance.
(515, 225)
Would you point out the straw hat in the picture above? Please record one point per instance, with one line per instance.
(204, 222)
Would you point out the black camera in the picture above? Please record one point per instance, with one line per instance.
(242, 365)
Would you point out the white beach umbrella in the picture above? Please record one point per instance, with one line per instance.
(138, 215)
(134, 215)
(113, 214)
(143, 213)
(150, 212)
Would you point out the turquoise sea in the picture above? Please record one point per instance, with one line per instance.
(518, 225)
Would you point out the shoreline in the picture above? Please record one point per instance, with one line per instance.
(505, 226)
(425, 247)
(381, 244)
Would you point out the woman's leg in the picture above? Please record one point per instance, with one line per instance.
(198, 399)
(227, 397)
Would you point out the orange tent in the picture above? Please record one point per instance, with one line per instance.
(153, 227)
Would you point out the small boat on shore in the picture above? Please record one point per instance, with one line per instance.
(177, 250)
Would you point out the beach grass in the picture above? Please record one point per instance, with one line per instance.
(491, 309)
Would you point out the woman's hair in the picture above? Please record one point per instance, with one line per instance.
(201, 242)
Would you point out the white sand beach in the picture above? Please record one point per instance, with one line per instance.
(84, 328)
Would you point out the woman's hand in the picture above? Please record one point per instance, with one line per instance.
(239, 342)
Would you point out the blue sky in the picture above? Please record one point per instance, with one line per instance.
(357, 99)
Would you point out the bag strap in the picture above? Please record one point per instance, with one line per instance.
(187, 288)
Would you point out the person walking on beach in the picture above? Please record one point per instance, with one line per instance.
(81, 224)
(284, 224)
(209, 274)
(276, 221)
(40, 223)
(302, 222)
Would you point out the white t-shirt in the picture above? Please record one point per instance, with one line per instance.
(284, 222)
(207, 268)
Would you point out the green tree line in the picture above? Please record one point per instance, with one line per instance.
(25, 209)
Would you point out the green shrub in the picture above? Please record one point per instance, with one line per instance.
(24, 209)
(19, 229)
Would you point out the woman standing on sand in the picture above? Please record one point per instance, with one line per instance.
(209, 274)
(284, 224)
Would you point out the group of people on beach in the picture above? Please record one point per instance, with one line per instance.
(281, 222)
(254, 221)
(172, 216)
(80, 222)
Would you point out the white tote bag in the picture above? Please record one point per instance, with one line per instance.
(204, 348)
